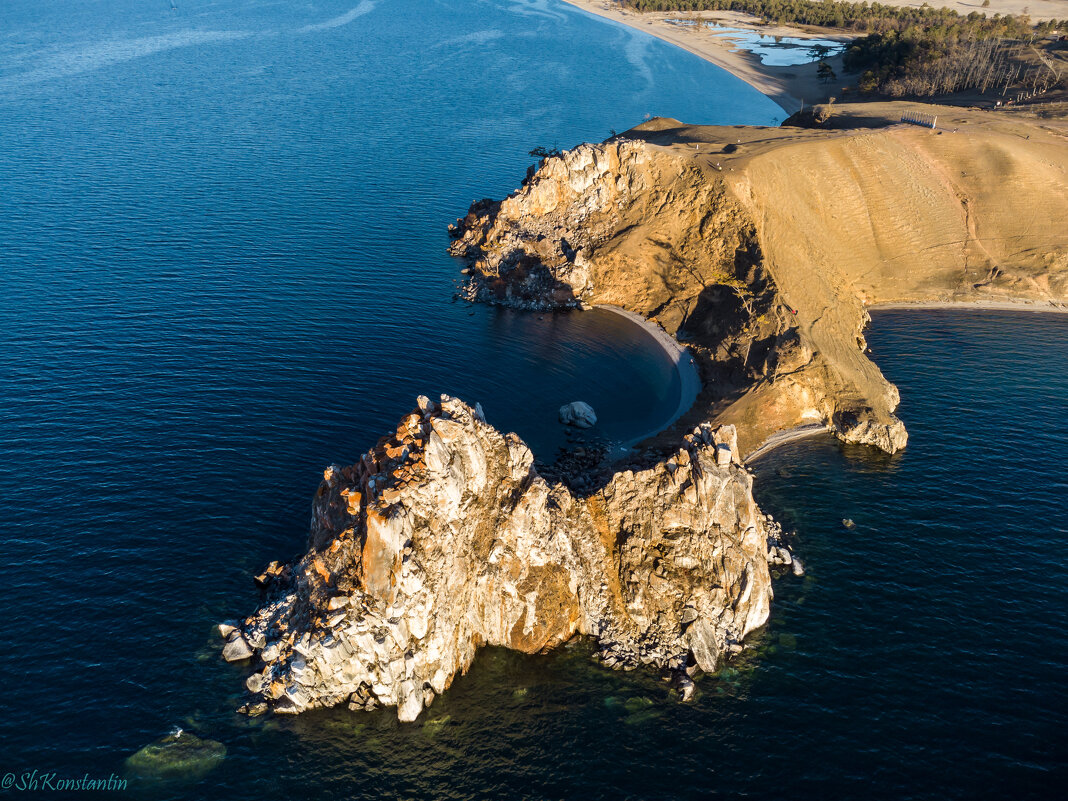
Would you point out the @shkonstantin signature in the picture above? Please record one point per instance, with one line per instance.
(45, 780)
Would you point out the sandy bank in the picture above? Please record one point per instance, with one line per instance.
(685, 368)
(790, 87)
(1048, 306)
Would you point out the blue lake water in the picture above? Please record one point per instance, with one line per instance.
(222, 234)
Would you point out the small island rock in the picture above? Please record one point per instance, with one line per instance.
(444, 538)
(578, 414)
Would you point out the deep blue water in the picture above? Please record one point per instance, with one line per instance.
(222, 267)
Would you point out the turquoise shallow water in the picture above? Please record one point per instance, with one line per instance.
(222, 267)
(775, 51)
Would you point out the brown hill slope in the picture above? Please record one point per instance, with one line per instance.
(762, 247)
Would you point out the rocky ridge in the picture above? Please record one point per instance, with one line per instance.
(444, 538)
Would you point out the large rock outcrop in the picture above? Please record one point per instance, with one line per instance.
(763, 248)
(444, 538)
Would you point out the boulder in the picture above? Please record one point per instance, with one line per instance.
(578, 414)
(270, 653)
(703, 645)
(236, 648)
(226, 629)
(255, 682)
(411, 703)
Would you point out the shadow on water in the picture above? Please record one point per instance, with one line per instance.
(498, 718)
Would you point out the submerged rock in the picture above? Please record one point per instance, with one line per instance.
(444, 538)
(180, 755)
(684, 684)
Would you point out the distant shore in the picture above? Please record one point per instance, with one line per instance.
(789, 87)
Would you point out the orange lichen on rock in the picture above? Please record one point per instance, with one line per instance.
(380, 553)
(321, 570)
(352, 497)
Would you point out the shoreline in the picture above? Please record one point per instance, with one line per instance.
(785, 436)
(759, 192)
(788, 435)
(1048, 306)
(789, 87)
(685, 368)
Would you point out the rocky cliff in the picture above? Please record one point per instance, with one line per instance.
(763, 248)
(444, 538)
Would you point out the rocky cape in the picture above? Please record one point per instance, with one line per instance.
(763, 248)
(444, 538)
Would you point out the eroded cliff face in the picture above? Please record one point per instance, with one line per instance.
(444, 538)
(762, 249)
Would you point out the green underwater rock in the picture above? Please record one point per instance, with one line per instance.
(637, 704)
(179, 755)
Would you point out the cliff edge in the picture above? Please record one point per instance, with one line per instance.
(763, 248)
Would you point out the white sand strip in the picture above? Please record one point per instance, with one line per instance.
(789, 435)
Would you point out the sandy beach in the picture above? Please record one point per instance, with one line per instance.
(789, 435)
(689, 380)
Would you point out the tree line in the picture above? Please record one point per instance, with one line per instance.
(859, 17)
